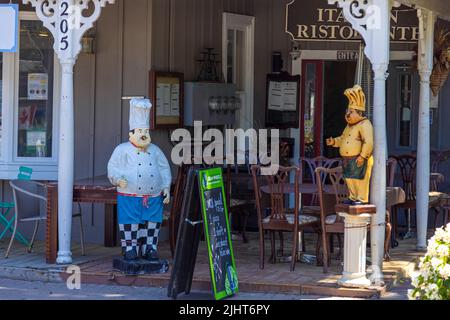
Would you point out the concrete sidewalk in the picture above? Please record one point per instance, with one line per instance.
(37, 290)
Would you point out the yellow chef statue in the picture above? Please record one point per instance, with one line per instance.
(356, 147)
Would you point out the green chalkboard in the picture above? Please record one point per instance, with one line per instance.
(217, 232)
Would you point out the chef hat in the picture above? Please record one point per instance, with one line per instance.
(140, 113)
(356, 98)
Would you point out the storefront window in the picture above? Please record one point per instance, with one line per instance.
(405, 110)
(35, 113)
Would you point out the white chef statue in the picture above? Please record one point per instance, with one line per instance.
(142, 175)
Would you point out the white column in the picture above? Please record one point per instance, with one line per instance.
(425, 65)
(378, 186)
(371, 18)
(355, 246)
(65, 163)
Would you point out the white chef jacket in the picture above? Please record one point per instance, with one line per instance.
(147, 172)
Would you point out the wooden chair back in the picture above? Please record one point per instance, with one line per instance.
(391, 169)
(277, 193)
(407, 164)
(311, 164)
(436, 163)
(328, 201)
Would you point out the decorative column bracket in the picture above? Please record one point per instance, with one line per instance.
(66, 22)
(425, 59)
(367, 17)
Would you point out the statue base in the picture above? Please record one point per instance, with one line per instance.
(140, 266)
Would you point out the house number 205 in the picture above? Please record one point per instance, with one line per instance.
(64, 26)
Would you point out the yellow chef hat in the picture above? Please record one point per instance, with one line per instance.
(356, 98)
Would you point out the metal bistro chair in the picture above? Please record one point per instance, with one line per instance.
(29, 197)
(24, 174)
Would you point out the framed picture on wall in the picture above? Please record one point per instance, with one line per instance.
(283, 100)
(166, 94)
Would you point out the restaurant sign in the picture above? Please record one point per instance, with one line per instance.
(9, 25)
(315, 20)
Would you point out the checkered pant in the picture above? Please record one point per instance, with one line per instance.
(147, 234)
(128, 236)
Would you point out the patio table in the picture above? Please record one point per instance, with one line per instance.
(91, 190)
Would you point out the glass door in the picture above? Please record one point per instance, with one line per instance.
(311, 108)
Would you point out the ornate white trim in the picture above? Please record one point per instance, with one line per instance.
(371, 19)
(67, 15)
(355, 12)
(380, 71)
(426, 35)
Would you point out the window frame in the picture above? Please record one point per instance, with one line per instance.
(398, 108)
(43, 168)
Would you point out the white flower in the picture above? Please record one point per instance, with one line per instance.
(442, 250)
(435, 262)
(415, 278)
(445, 271)
(433, 267)
(411, 295)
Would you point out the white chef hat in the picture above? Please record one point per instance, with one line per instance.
(140, 113)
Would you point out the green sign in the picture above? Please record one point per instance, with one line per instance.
(217, 231)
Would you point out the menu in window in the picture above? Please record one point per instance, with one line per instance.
(282, 96)
(167, 99)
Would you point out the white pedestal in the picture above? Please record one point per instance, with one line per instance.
(355, 241)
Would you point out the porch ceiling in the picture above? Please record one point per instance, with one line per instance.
(440, 7)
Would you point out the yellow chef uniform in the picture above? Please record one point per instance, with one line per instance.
(356, 140)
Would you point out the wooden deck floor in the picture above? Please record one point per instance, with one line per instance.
(96, 267)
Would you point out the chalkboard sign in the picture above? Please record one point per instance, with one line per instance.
(204, 203)
(217, 231)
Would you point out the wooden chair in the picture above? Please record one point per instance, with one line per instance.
(436, 179)
(407, 165)
(310, 165)
(239, 204)
(330, 222)
(279, 218)
(445, 205)
(391, 169)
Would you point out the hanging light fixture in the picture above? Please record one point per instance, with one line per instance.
(87, 43)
